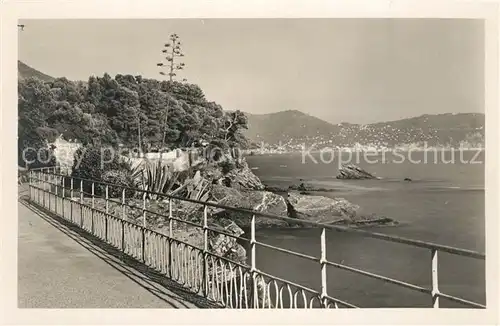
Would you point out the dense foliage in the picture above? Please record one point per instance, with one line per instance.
(122, 110)
(97, 163)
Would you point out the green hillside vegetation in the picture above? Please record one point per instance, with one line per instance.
(113, 111)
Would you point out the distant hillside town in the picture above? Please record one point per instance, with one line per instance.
(291, 130)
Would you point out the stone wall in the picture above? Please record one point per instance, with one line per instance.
(64, 152)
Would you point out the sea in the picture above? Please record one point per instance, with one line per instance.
(444, 203)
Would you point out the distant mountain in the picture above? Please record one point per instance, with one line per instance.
(25, 71)
(294, 127)
(290, 124)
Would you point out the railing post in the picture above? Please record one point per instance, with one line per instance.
(53, 183)
(143, 230)
(71, 200)
(253, 268)
(48, 187)
(37, 184)
(170, 235)
(322, 261)
(49, 184)
(144, 210)
(81, 203)
(81, 191)
(29, 184)
(205, 250)
(106, 199)
(56, 189)
(107, 212)
(435, 288)
(36, 193)
(93, 208)
(123, 219)
(31, 177)
(123, 204)
(43, 190)
(34, 184)
(63, 195)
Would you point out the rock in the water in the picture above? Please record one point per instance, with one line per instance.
(321, 209)
(351, 171)
(261, 201)
(303, 187)
(276, 189)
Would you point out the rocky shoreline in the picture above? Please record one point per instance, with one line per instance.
(239, 187)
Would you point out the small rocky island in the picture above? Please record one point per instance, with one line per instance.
(354, 172)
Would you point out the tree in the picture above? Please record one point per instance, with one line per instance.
(231, 124)
(172, 50)
(35, 102)
(126, 109)
(126, 118)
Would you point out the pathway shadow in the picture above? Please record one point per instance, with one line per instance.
(159, 285)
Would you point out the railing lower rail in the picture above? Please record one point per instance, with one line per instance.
(231, 284)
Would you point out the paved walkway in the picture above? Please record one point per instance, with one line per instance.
(58, 268)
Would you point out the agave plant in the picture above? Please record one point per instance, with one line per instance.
(134, 171)
(156, 176)
(198, 188)
(195, 188)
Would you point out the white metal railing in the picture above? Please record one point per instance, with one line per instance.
(227, 282)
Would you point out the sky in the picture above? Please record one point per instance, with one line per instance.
(340, 70)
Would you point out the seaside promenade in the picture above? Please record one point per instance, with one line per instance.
(72, 254)
(59, 267)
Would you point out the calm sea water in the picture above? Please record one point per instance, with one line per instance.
(443, 204)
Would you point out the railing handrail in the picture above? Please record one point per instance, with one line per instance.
(364, 233)
(38, 169)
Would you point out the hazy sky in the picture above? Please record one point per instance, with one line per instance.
(355, 70)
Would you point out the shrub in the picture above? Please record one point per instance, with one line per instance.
(36, 151)
(227, 166)
(122, 178)
(92, 163)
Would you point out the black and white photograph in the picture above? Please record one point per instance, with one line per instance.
(252, 163)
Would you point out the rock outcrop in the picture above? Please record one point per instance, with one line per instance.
(337, 211)
(261, 201)
(240, 177)
(226, 246)
(351, 171)
(321, 209)
(243, 178)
